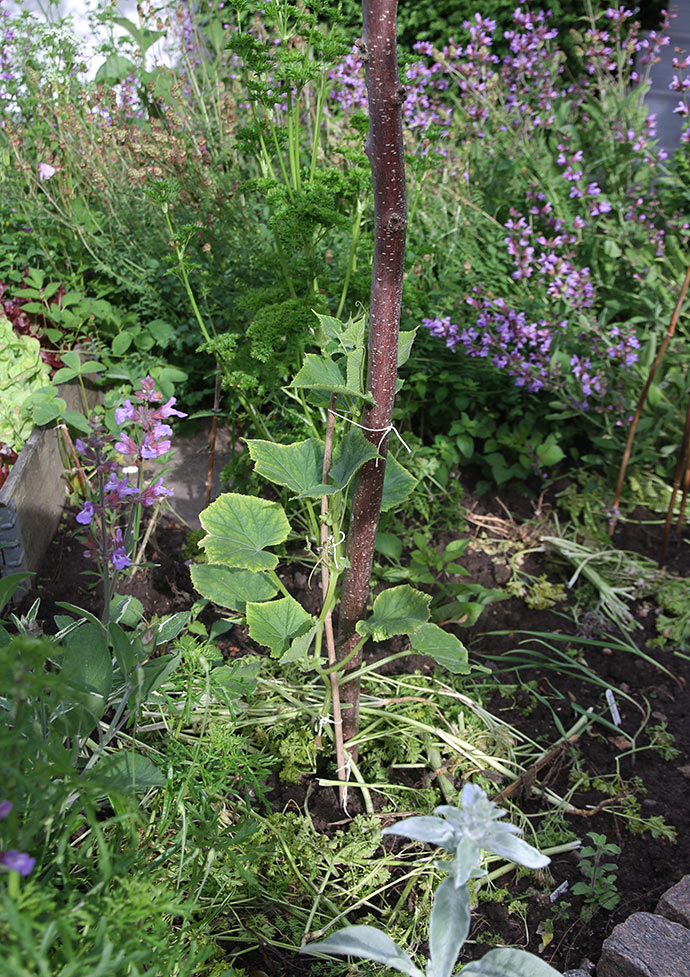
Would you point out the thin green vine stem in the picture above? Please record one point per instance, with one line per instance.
(179, 254)
(281, 162)
(279, 584)
(320, 99)
(352, 257)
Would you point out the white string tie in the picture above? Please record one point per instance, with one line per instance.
(346, 767)
(383, 431)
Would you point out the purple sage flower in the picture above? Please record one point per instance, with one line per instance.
(86, 514)
(17, 861)
(119, 557)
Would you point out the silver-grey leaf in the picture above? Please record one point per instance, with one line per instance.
(448, 927)
(368, 943)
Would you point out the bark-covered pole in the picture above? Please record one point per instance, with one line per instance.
(384, 147)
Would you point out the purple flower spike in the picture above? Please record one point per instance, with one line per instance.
(153, 492)
(17, 861)
(119, 559)
(5, 808)
(127, 447)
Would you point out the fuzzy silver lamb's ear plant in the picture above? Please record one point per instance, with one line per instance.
(465, 832)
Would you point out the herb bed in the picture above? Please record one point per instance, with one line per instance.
(618, 785)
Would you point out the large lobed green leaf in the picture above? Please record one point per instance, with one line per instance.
(230, 587)
(397, 484)
(276, 622)
(398, 610)
(297, 466)
(443, 647)
(355, 450)
(321, 373)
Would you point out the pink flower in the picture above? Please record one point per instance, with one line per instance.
(153, 492)
(125, 413)
(45, 171)
(168, 409)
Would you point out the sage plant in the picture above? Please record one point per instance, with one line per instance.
(464, 832)
(113, 506)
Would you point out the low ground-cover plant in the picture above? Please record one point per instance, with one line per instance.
(599, 890)
(116, 808)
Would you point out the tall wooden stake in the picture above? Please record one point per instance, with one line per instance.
(384, 147)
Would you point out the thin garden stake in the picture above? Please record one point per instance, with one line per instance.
(384, 147)
(212, 440)
(643, 397)
(686, 489)
(328, 622)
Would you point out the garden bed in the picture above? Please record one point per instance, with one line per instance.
(631, 785)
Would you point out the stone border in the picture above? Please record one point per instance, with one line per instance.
(652, 944)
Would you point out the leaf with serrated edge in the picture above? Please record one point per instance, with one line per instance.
(321, 373)
(276, 622)
(354, 367)
(368, 943)
(397, 484)
(239, 527)
(398, 610)
(508, 962)
(230, 587)
(354, 452)
(297, 466)
(444, 648)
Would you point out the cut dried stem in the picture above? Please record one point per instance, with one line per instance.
(212, 440)
(643, 397)
(680, 477)
(328, 620)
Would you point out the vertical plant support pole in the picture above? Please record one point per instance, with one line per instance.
(384, 147)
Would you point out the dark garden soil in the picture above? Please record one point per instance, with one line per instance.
(647, 865)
